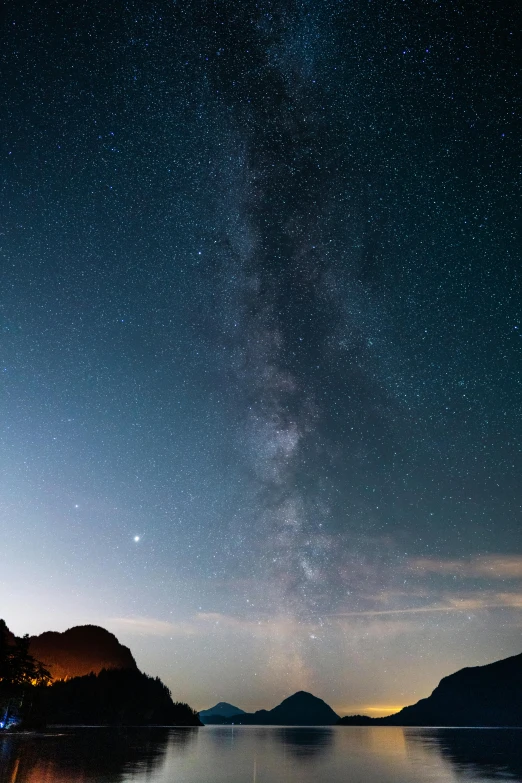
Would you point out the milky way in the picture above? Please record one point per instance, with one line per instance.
(261, 335)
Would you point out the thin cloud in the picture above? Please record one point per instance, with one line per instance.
(407, 610)
(204, 623)
(482, 566)
(450, 603)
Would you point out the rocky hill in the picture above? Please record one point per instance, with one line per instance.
(80, 650)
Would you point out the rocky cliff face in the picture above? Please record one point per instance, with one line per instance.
(80, 650)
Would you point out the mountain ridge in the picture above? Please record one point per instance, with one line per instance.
(299, 709)
(488, 695)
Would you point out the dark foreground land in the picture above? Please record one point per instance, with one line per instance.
(116, 697)
(109, 690)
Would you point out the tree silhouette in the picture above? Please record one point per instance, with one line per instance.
(19, 672)
(4, 653)
(17, 665)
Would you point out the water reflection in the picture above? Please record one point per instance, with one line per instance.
(263, 754)
(86, 755)
(304, 741)
(300, 741)
(492, 753)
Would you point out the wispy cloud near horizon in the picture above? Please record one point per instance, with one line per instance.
(205, 622)
(496, 566)
(470, 602)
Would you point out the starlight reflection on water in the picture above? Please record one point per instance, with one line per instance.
(262, 754)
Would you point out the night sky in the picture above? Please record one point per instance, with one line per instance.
(261, 332)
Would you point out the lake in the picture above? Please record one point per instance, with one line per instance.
(246, 754)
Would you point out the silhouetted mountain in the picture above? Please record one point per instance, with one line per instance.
(488, 695)
(112, 692)
(80, 650)
(223, 709)
(301, 709)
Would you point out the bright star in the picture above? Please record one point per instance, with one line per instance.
(136, 538)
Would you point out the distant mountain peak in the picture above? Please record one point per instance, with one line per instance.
(226, 704)
(301, 696)
(222, 709)
(303, 708)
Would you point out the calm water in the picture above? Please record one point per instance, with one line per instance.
(217, 754)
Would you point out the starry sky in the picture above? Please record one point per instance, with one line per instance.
(261, 333)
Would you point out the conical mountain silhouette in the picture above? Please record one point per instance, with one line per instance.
(222, 708)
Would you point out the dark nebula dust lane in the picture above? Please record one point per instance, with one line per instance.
(261, 332)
